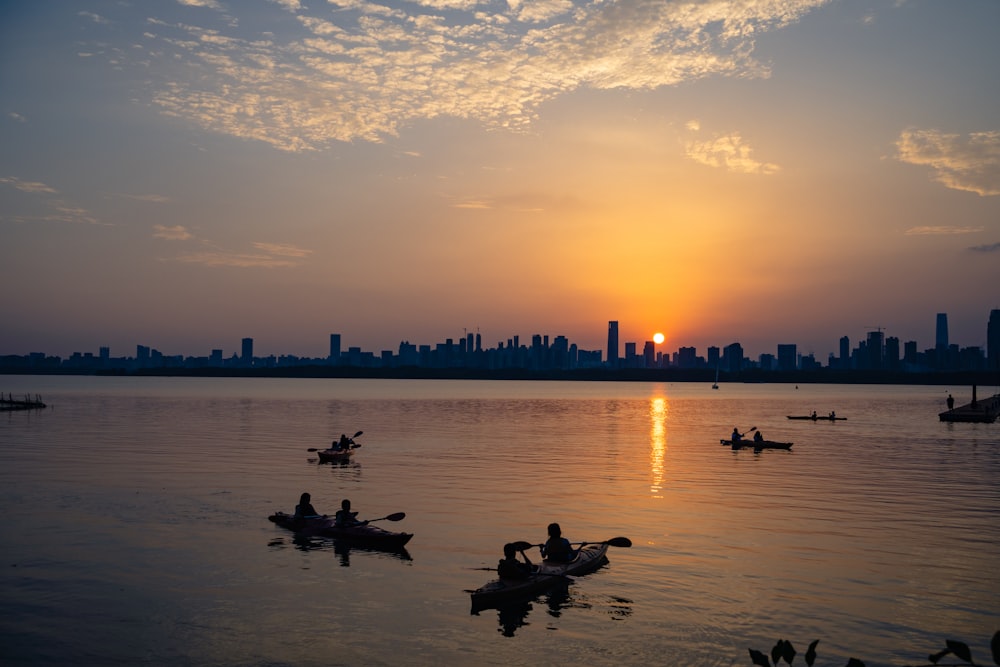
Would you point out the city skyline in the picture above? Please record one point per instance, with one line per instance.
(246, 347)
(184, 173)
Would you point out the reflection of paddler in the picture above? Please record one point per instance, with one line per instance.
(951, 402)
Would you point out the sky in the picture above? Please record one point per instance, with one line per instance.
(181, 174)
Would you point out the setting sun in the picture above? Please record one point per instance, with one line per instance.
(658, 338)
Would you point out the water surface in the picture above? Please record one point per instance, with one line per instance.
(135, 527)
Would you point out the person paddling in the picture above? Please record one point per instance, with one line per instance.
(736, 435)
(345, 517)
(557, 548)
(305, 510)
(510, 567)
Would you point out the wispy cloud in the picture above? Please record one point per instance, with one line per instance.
(238, 260)
(52, 208)
(175, 233)
(96, 18)
(13, 115)
(210, 4)
(931, 230)
(728, 151)
(990, 247)
(27, 186)
(282, 249)
(366, 70)
(969, 163)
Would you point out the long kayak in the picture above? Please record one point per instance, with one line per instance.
(496, 592)
(826, 418)
(325, 527)
(758, 444)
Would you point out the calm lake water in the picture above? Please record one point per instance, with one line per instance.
(135, 526)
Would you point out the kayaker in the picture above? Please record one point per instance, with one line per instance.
(305, 510)
(758, 437)
(345, 517)
(736, 435)
(510, 567)
(342, 444)
(557, 547)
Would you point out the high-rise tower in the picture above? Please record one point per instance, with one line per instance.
(941, 332)
(993, 341)
(613, 344)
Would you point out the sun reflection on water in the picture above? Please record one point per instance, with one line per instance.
(658, 408)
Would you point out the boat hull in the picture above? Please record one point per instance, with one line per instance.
(334, 456)
(500, 591)
(325, 527)
(762, 444)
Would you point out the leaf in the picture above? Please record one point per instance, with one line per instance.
(960, 649)
(854, 662)
(995, 645)
(787, 652)
(759, 658)
(811, 653)
(776, 651)
(934, 657)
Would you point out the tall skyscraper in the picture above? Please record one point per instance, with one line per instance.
(941, 332)
(613, 344)
(334, 348)
(993, 341)
(247, 351)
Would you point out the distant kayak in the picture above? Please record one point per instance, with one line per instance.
(817, 418)
(758, 444)
(325, 527)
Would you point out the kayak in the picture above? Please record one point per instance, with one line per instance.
(335, 455)
(818, 418)
(760, 444)
(547, 573)
(325, 527)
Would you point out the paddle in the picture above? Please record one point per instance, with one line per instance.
(614, 542)
(354, 445)
(398, 516)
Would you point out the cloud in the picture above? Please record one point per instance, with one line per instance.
(17, 117)
(210, 4)
(96, 18)
(729, 152)
(991, 247)
(365, 71)
(153, 199)
(175, 233)
(27, 186)
(969, 163)
(931, 230)
(223, 259)
(282, 249)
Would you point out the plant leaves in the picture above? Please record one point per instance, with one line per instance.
(811, 653)
(960, 649)
(759, 658)
(776, 651)
(934, 657)
(995, 646)
(854, 662)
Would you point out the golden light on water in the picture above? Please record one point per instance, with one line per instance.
(657, 443)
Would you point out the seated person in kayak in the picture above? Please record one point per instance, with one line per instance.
(345, 517)
(342, 444)
(736, 436)
(557, 548)
(758, 437)
(510, 567)
(305, 510)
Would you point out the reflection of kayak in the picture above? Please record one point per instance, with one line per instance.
(827, 418)
(325, 527)
(760, 444)
(547, 574)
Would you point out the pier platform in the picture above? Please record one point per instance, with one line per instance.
(980, 411)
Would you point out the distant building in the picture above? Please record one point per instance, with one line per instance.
(941, 332)
(247, 351)
(613, 343)
(993, 341)
(334, 348)
(787, 357)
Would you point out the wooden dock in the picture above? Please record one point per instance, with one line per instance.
(27, 403)
(985, 411)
